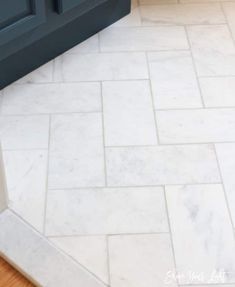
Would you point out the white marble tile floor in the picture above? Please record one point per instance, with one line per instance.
(120, 154)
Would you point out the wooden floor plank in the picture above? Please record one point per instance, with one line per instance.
(10, 277)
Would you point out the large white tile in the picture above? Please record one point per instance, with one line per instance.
(89, 251)
(161, 165)
(26, 184)
(24, 132)
(182, 14)
(202, 233)
(128, 113)
(201, 126)
(140, 260)
(143, 39)
(218, 91)
(76, 151)
(226, 158)
(213, 50)
(38, 258)
(173, 80)
(51, 98)
(106, 211)
(43, 74)
(102, 66)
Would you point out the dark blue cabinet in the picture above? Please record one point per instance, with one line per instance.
(66, 5)
(19, 16)
(32, 32)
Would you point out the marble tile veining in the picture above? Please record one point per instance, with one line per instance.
(212, 58)
(161, 165)
(140, 260)
(24, 132)
(202, 126)
(128, 114)
(26, 175)
(173, 80)
(51, 98)
(143, 39)
(207, 246)
(106, 211)
(102, 66)
(76, 151)
(226, 156)
(218, 92)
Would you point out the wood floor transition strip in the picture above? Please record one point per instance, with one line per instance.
(10, 277)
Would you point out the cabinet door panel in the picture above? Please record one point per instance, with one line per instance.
(18, 17)
(66, 5)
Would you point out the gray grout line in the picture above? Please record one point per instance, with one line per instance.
(217, 76)
(108, 259)
(137, 186)
(152, 99)
(225, 194)
(125, 51)
(118, 80)
(108, 234)
(170, 232)
(134, 146)
(198, 109)
(100, 111)
(47, 176)
(207, 285)
(22, 149)
(170, 144)
(194, 66)
(78, 82)
(103, 132)
(49, 114)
